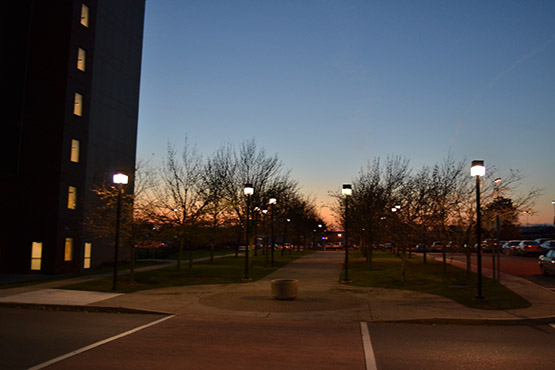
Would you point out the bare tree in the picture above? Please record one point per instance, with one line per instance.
(137, 209)
(182, 200)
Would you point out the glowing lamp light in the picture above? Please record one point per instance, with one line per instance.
(120, 178)
(272, 201)
(347, 190)
(249, 190)
(478, 168)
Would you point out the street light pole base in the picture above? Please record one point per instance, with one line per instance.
(345, 281)
(245, 279)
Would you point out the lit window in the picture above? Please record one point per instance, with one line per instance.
(68, 250)
(78, 105)
(72, 197)
(36, 256)
(84, 15)
(87, 256)
(74, 151)
(81, 56)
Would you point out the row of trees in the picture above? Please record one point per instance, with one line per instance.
(391, 202)
(193, 201)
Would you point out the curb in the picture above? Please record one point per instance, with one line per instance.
(489, 322)
(76, 308)
(431, 321)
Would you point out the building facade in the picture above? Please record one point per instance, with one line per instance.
(72, 80)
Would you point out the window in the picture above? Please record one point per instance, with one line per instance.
(87, 256)
(84, 15)
(74, 157)
(78, 105)
(72, 197)
(68, 250)
(36, 256)
(81, 58)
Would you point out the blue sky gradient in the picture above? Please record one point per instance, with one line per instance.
(328, 85)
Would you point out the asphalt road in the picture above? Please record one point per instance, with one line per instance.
(431, 347)
(524, 267)
(30, 337)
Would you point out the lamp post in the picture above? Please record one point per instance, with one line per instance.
(272, 203)
(347, 191)
(478, 170)
(120, 179)
(287, 220)
(248, 191)
(264, 237)
(320, 237)
(553, 202)
(497, 232)
(255, 219)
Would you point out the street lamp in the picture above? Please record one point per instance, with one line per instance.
(497, 182)
(347, 191)
(264, 237)
(120, 179)
(287, 220)
(553, 202)
(272, 203)
(248, 191)
(478, 170)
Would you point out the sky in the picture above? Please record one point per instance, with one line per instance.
(328, 85)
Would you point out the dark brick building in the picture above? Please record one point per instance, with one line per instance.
(72, 74)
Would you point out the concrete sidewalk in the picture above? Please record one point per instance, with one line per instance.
(321, 297)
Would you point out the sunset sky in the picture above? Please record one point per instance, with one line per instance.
(328, 85)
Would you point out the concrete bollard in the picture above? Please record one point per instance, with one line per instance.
(285, 289)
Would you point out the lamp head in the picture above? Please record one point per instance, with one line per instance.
(478, 168)
(347, 190)
(120, 178)
(248, 190)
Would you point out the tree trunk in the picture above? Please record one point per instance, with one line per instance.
(132, 264)
(404, 263)
(191, 255)
(180, 253)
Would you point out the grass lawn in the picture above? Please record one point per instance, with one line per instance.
(197, 253)
(96, 271)
(386, 272)
(225, 270)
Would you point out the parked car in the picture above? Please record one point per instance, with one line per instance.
(489, 245)
(542, 240)
(436, 247)
(547, 245)
(526, 247)
(420, 247)
(148, 244)
(547, 262)
(509, 247)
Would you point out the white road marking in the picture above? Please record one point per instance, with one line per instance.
(367, 345)
(552, 325)
(97, 344)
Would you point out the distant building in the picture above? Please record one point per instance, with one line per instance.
(72, 74)
(536, 231)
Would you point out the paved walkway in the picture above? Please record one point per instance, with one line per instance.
(321, 297)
